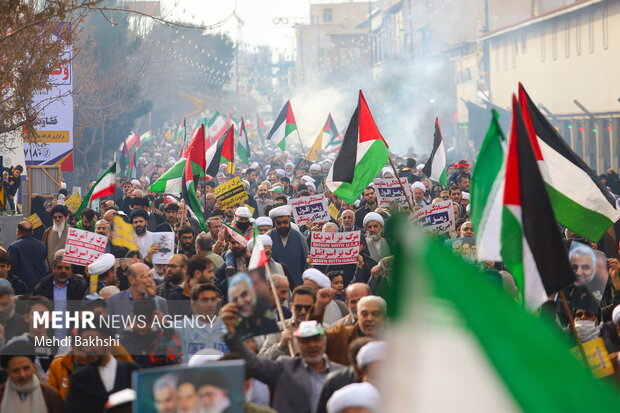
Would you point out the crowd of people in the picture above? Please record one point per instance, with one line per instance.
(329, 352)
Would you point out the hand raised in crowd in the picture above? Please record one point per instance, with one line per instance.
(230, 316)
(376, 272)
(323, 297)
(360, 261)
(613, 266)
(221, 236)
(309, 261)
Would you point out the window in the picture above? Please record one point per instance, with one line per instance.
(327, 15)
(567, 38)
(591, 32)
(578, 35)
(605, 29)
(542, 43)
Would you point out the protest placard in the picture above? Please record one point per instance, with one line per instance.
(437, 217)
(597, 355)
(73, 202)
(35, 220)
(231, 192)
(335, 247)
(165, 240)
(334, 212)
(389, 192)
(221, 381)
(309, 208)
(83, 247)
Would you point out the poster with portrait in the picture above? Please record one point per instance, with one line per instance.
(217, 387)
(590, 267)
(255, 305)
(464, 247)
(165, 240)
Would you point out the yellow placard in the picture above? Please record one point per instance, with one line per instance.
(94, 281)
(333, 212)
(73, 202)
(53, 136)
(231, 192)
(598, 357)
(35, 220)
(252, 209)
(124, 235)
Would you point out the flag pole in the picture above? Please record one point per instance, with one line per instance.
(278, 306)
(571, 322)
(401, 184)
(303, 151)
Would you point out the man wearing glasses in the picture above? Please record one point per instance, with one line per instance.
(55, 237)
(276, 344)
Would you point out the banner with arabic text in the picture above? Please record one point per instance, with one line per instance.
(309, 208)
(437, 217)
(329, 248)
(83, 247)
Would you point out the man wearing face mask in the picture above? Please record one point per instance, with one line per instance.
(242, 221)
(288, 247)
(377, 245)
(586, 323)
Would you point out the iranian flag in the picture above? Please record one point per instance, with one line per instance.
(146, 137)
(435, 167)
(362, 155)
(580, 202)
(464, 334)
(531, 244)
(104, 186)
(259, 257)
(243, 145)
(223, 151)
(194, 168)
(170, 181)
(236, 234)
(217, 126)
(283, 127)
(487, 189)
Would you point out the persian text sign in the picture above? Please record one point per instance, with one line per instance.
(309, 208)
(83, 247)
(389, 191)
(327, 248)
(231, 192)
(54, 143)
(437, 217)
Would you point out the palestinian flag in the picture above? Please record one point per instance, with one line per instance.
(333, 138)
(170, 181)
(180, 135)
(223, 151)
(243, 145)
(435, 167)
(104, 186)
(362, 155)
(283, 127)
(146, 137)
(487, 188)
(217, 126)
(580, 202)
(531, 243)
(194, 168)
(464, 334)
(261, 129)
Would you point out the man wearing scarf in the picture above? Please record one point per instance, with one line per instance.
(23, 392)
(377, 245)
(55, 237)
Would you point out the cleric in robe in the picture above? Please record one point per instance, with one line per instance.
(288, 244)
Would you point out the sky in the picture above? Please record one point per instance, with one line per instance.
(257, 15)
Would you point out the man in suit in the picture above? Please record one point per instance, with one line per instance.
(91, 385)
(28, 256)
